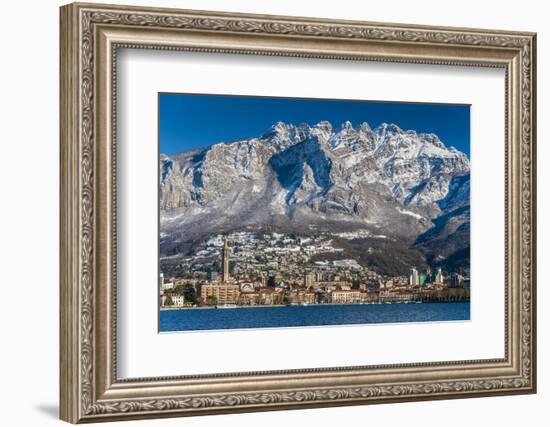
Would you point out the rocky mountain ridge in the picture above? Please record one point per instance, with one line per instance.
(398, 183)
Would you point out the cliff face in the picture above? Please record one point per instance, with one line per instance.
(401, 183)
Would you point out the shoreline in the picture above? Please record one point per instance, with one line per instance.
(307, 305)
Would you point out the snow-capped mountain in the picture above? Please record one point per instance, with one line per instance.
(387, 180)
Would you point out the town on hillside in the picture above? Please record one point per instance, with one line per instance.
(229, 272)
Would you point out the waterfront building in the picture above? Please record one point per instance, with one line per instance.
(262, 279)
(247, 287)
(456, 280)
(334, 285)
(271, 296)
(309, 279)
(177, 300)
(429, 277)
(167, 285)
(164, 286)
(414, 279)
(249, 298)
(302, 296)
(389, 296)
(212, 276)
(340, 296)
(369, 297)
(310, 298)
(222, 293)
(439, 277)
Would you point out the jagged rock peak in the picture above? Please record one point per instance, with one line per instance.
(280, 130)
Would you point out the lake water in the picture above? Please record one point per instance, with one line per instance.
(312, 315)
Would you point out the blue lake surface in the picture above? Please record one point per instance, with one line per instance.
(312, 315)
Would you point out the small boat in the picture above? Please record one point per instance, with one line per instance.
(227, 306)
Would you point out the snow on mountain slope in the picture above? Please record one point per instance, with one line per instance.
(393, 181)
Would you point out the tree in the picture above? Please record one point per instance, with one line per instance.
(178, 289)
(189, 293)
(211, 300)
(168, 300)
(271, 282)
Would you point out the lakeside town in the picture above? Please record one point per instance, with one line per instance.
(247, 269)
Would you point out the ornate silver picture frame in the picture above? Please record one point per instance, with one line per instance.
(91, 35)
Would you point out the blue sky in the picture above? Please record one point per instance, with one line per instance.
(188, 121)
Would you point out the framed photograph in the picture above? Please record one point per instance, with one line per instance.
(266, 213)
(309, 221)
